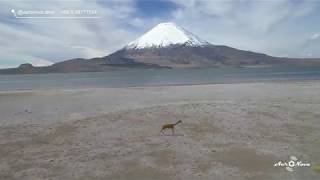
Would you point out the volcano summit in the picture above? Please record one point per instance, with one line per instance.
(164, 35)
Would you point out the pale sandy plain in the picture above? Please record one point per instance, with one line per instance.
(229, 131)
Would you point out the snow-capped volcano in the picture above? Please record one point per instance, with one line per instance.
(166, 34)
(165, 46)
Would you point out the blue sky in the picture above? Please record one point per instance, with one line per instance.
(277, 27)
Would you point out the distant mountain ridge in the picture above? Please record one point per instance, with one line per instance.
(167, 45)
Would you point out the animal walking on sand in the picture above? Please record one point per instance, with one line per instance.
(170, 126)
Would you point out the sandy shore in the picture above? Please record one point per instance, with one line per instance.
(229, 131)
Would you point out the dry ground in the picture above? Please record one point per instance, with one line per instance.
(238, 132)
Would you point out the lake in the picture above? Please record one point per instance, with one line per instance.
(156, 77)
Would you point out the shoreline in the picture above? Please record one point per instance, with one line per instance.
(276, 81)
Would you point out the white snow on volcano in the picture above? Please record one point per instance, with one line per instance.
(166, 34)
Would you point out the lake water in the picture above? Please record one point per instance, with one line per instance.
(155, 77)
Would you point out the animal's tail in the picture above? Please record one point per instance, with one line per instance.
(161, 131)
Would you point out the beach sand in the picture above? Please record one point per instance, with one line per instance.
(229, 131)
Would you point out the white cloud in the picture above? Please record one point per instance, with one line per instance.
(314, 36)
(90, 52)
(262, 26)
(61, 39)
(310, 47)
(40, 62)
(257, 15)
(10, 59)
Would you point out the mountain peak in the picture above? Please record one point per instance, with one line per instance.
(166, 34)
